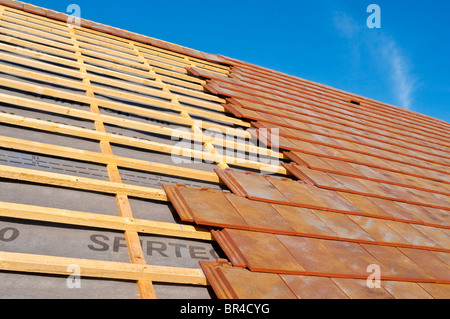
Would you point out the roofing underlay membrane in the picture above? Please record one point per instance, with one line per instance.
(92, 118)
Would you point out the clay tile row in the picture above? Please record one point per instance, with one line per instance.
(215, 208)
(341, 142)
(290, 192)
(326, 146)
(285, 254)
(238, 283)
(340, 167)
(326, 100)
(363, 160)
(327, 95)
(366, 187)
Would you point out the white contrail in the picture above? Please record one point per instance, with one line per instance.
(400, 71)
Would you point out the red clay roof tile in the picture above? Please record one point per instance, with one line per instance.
(396, 265)
(354, 256)
(358, 289)
(251, 185)
(311, 287)
(263, 252)
(429, 262)
(260, 215)
(304, 221)
(406, 290)
(311, 253)
(204, 206)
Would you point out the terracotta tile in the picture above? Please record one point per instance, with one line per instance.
(213, 57)
(405, 290)
(251, 185)
(304, 221)
(206, 206)
(317, 178)
(343, 167)
(264, 252)
(315, 162)
(385, 175)
(304, 136)
(228, 246)
(274, 119)
(434, 200)
(333, 200)
(287, 143)
(351, 184)
(296, 125)
(355, 157)
(421, 213)
(444, 256)
(34, 9)
(412, 235)
(250, 104)
(238, 283)
(436, 234)
(343, 155)
(312, 287)
(438, 291)
(344, 226)
(256, 285)
(366, 205)
(281, 142)
(314, 256)
(444, 200)
(397, 211)
(396, 264)
(13, 4)
(296, 192)
(307, 148)
(203, 73)
(373, 173)
(211, 269)
(353, 255)
(379, 230)
(239, 111)
(56, 15)
(260, 215)
(102, 27)
(358, 289)
(122, 33)
(429, 262)
(283, 131)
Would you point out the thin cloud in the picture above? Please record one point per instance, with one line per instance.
(346, 25)
(385, 52)
(400, 75)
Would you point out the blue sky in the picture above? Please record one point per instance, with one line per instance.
(405, 62)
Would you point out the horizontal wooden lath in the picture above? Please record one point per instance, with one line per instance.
(99, 269)
(69, 217)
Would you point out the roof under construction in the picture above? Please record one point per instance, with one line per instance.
(131, 167)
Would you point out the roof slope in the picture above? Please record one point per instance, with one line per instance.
(369, 187)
